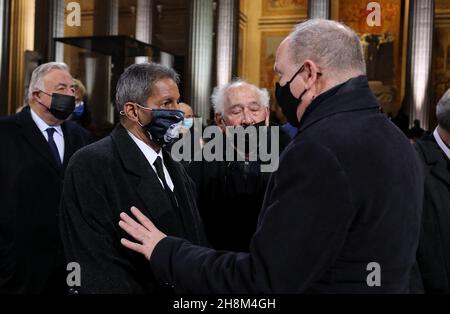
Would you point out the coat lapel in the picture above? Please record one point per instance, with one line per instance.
(149, 188)
(33, 135)
(435, 158)
(187, 209)
(437, 161)
(441, 172)
(69, 145)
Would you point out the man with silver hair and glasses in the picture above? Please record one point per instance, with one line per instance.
(232, 192)
(36, 147)
(131, 166)
(434, 247)
(341, 214)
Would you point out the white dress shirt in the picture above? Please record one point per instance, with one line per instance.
(151, 156)
(58, 136)
(441, 143)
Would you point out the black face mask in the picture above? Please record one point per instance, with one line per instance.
(288, 102)
(164, 129)
(62, 106)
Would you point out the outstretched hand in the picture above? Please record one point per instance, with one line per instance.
(145, 232)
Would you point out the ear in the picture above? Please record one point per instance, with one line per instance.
(311, 70)
(35, 95)
(267, 116)
(219, 121)
(131, 112)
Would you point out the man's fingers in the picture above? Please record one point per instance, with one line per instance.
(142, 219)
(132, 231)
(126, 218)
(130, 221)
(139, 248)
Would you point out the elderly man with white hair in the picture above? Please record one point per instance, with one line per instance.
(37, 144)
(239, 103)
(434, 246)
(232, 192)
(341, 214)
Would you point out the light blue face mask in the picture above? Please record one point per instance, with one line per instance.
(188, 123)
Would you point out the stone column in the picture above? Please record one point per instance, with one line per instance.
(144, 24)
(200, 56)
(227, 35)
(58, 28)
(319, 9)
(106, 17)
(4, 55)
(421, 27)
(21, 40)
(106, 22)
(49, 24)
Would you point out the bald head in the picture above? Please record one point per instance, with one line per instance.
(188, 112)
(334, 47)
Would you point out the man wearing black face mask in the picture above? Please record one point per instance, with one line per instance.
(341, 214)
(36, 147)
(232, 192)
(130, 166)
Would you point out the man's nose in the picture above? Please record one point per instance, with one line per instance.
(247, 119)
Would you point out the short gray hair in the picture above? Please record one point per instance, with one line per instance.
(220, 92)
(443, 111)
(137, 82)
(330, 44)
(37, 82)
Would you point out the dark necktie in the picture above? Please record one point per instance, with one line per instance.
(53, 147)
(159, 170)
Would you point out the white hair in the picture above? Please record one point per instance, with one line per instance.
(37, 82)
(443, 111)
(219, 94)
(330, 44)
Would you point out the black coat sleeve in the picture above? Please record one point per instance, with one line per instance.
(302, 227)
(89, 229)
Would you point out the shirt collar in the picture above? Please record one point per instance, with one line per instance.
(441, 143)
(148, 152)
(42, 126)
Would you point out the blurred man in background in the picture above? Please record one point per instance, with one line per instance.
(81, 114)
(416, 132)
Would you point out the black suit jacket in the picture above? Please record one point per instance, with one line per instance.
(348, 193)
(434, 247)
(31, 259)
(103, 180)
